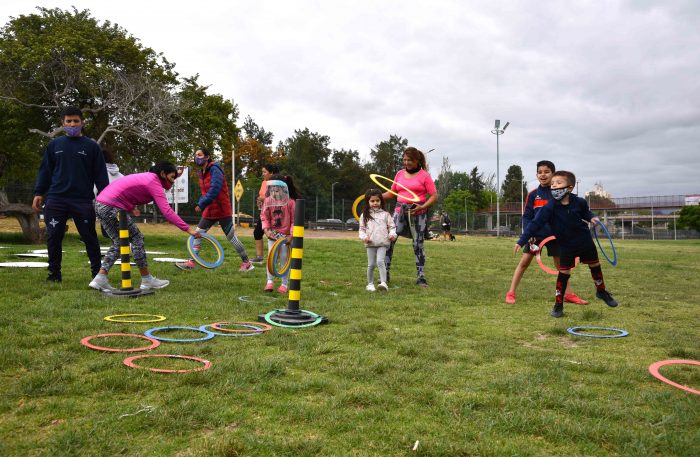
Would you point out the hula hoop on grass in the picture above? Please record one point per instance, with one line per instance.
(613, 262)
(414, 198)
(277, 324)
(257, 326)
(208, 335)
(130, 321)
(274, 255)
(620, 334)
(355, 204)
(199, 260)
(262, 298)
(251, 332)
(86, 342)
(544, 267)
(129, 362)
(654, 370)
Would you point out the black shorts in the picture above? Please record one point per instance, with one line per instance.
(587, 255)
(446, 227)
(552, 247)
(258, 230)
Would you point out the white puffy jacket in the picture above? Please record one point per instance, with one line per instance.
(378, 229)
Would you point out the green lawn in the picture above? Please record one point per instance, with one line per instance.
(451, 366)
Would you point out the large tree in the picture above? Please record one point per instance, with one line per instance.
(513, 188)
(307, 157)
(387, 156)
(690, 217)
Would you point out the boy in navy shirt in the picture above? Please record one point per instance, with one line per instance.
(567, 215)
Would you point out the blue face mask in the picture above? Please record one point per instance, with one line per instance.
(200, 160)
(72, 131)
(558, 194)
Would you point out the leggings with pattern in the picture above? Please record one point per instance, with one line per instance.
(108, 215)
(227, 226)
(402, 220)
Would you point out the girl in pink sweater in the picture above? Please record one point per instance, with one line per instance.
(127, 193)
(278, 220)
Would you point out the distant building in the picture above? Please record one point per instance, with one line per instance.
(692, 200)
(599, 191)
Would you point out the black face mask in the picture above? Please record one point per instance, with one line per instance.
(413, 170)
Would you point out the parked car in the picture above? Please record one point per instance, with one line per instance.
(323, 224)
(352, 224)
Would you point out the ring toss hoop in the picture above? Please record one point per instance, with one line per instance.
(413, 199)
(208, 335)
(620, 334)
(654, 370)
(199, 260)
(86, 342)
(613, 262)
(129, 362)
(130, 321)
(273, 257)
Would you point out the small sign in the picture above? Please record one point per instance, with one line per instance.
(238, 190)
(178, 193)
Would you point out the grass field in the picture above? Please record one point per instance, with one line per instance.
(452, 367)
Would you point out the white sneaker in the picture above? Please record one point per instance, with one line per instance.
(383, 287)
(101, 283)
(370, 288)
(153, 283)
(246, 266)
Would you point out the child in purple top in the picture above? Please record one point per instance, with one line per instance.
(126, 194)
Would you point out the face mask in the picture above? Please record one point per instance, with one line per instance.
(200, 160)
(166, 183)
(72, 131)
(558, 194)
(413, 170)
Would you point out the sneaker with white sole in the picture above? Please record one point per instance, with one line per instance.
(153, 283)
(257, 259)
(246, 266)
(370, 288)
(188, 265)
(101, 283)
(382, 286)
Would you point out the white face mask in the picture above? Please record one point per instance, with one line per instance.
(558, 194)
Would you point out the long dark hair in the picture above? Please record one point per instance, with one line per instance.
(366, 215)
(165, 166)
(417, 155)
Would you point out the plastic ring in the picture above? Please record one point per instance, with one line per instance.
(613, 262)
(249, 332)
(199, 260)
(413, 199)
(264, 299)
(355, 204)
(277, 324)
(129, 362)
(620, 334)
(258, 326)
(86, 342)
(654, 370)
(150, 333)
(111, 318)
(273, 256)
(544, 267)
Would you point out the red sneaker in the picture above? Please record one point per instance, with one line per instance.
(510, 298)
(282, 289)
(573, 298)
(269, 287)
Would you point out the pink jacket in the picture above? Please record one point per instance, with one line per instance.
(278, 218)
(138, 189)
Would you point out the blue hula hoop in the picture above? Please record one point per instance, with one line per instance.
(199, 260)
(613, 262)
(204, 329)
(262, 298)
(620, 334)
(208, 335)
(274, 255)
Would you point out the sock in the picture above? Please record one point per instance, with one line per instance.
(562, 280)
(597, 274)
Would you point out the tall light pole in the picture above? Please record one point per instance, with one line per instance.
(466, 226)
(333, 200)
(522, 205)
(498, 131)
(577, 181)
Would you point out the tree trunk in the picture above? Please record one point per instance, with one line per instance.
(28, 220)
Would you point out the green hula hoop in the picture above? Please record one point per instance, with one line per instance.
(310, 324)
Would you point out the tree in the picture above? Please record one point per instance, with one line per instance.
(306, 160)
(254, 150)
(387, 156)
(689, 217)
(443, 183)
(352, 177)
(455, 202)
(513, 187)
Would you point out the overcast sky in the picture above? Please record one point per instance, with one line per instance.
(607, 89)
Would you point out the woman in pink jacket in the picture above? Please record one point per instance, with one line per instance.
(127, 193)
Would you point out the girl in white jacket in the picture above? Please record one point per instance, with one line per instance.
(377, 231)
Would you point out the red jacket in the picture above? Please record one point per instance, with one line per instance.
(215, 201)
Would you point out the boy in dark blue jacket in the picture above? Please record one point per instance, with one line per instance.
(567, 215)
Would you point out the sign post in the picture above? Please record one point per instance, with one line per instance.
(238, 193)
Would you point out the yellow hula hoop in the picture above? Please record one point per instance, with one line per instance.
(272, 256)
(413, 199)
(357, 202)
(112, 318)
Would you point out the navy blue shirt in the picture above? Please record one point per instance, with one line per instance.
(536, 199)
(71, 168)
(567, 222)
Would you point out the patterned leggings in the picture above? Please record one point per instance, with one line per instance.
(401, 219)
(227, 226)
(108, 215)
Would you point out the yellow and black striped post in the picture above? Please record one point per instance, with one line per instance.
(293, 315)
(127, 289)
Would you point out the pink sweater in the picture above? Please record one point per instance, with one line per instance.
(138, 189)
(278, 218)
(421, 184)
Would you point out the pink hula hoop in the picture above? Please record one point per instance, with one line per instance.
(544, 267)
(654, 370)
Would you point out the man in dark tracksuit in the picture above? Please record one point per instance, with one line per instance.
(71, 167)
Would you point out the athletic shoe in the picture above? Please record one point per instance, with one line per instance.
(510, 298)
(383, 287)
(246, 266)
(101, 283)
(370, 288)
(269, 287)
(153, 283)
(422, 282)
(257, 259)
(54, 277)
(557, 311)
(573, 298)
(606, 297)
(188, 265)
(282, 289)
